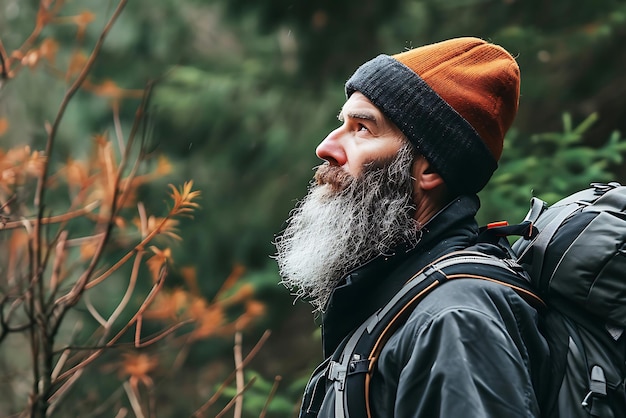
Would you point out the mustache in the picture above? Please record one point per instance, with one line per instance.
(334, 176)
(339, 179)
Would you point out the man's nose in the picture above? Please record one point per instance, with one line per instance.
(331, 148)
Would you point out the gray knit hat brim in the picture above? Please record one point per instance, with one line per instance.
(449, 143)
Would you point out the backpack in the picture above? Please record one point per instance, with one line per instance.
(577, 264)
(570, 263)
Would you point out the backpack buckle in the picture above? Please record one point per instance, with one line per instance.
(337, 373)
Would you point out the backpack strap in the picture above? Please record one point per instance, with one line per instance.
(545, 236)
(356, 363)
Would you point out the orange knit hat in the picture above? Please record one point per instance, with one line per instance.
(479, 80)
(454, 100)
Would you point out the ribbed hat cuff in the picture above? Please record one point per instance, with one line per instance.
(440, 134)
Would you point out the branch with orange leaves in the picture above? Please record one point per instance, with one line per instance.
(183, 206)
(70, 299)
(40, 192)
(99, 350)
(45, 14)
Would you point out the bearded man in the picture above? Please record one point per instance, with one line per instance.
(421, 133)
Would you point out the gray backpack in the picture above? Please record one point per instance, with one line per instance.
(577, 264)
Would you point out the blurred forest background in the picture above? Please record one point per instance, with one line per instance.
(243, 92)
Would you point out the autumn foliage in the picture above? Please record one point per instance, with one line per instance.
(74, 227)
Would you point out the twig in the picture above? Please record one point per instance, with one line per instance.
(61, 392)
(53, 219)
(94, 313)
(146, 342)
(239, 375)
(122, 413)
(237, 396)
(58, 261)
(118, 125)
(4, 73)
(163, 334)
(277, 380)
(127, 295)
(134, 401)
(65, 354)
(230, 377)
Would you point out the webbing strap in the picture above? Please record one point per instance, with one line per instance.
(545, 236)
(537, 206)
(337, 371)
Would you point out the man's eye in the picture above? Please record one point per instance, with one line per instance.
(362, 127)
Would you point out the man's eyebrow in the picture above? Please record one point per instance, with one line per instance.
(357, 115)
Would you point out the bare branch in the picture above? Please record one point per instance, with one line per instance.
(94, 313)
(127, 295)
(4, 72)
(58, 261)
(52, 219)
(163, 334)
(237, 396)
(134, 400)
(277, 380)
(60, 393)
(239, 375)
(200, 412)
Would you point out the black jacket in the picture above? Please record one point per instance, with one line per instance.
(471, 348)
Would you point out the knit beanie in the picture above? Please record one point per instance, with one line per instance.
(454, 100)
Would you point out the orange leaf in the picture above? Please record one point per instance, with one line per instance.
(157, 261)
(183, 199)
(31, 59)
(163, 226)
(163, 166)
(255, 308)
(108, 88)
(77, 173)
(191, 278)
(88, 249)
(210, 320)
(168, 305)
(138, 365)
(83, 19)
(244, 293)
(4, 126)
(18, 247)
(230, 281)
(77, 62)
(48, 50)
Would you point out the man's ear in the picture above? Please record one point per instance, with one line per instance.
(425, 177)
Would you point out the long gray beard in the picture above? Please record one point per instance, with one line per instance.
(345, 221)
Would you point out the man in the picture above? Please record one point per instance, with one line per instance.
(420, 135)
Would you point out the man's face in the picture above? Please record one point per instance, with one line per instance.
(360, 206)
(365, 135)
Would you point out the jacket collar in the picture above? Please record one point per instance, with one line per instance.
(370, 286)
